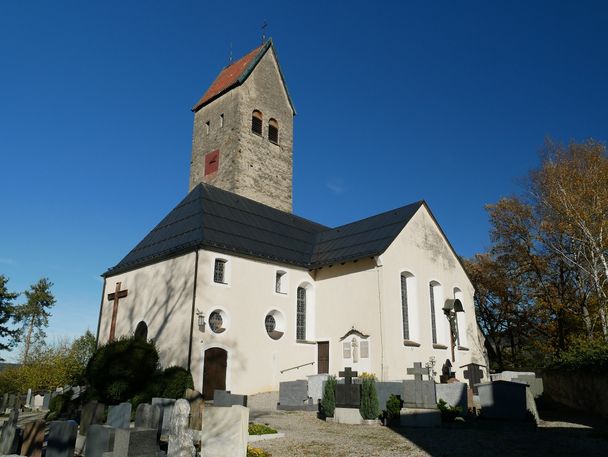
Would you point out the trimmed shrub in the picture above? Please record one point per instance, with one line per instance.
(328, 403)
(121, 369)
(175, 382)
(583, 355)
(393, 407)
(369, 399)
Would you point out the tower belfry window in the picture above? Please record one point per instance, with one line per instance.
(256, 122)
(273, 131)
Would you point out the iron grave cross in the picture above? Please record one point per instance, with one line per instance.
(115, 297)
(418, 371)
(348, 375)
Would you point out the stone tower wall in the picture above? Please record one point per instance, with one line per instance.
(249, 164)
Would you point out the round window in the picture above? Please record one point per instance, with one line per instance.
(275, 324)
(216, 322)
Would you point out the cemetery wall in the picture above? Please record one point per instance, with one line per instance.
(580, 390)
(422, 250)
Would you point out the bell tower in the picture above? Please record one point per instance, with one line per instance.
(243, 131)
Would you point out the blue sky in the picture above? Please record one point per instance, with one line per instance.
(396, 101)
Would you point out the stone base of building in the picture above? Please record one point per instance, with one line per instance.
(350, 416)
(415, 417)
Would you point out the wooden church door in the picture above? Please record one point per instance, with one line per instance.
(214, 371)
(323, 357)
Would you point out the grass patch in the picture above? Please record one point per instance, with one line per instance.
(256, 452)
(260, 429)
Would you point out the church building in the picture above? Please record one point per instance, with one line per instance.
(243, 293)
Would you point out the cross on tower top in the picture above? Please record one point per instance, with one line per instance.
(418, 371)
(348, 375)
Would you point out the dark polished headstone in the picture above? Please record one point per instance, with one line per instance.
(446, 372)
(419, 394)
(92, 413)
(62, 439)
(100, 439)
(348, 395)
(293, 393)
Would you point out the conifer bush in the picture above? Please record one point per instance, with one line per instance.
(328, 403)
(175, 381)
(369, 398)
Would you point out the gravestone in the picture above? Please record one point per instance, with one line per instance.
(225, 398)
(419, 400)
(197, 404)
(4, 403)
(503, 400)
(454, 394)
(92, 413)
(135, 442)
(166, 406)
(385, 389)
(33, 438)
(61, 439)
(100, 439)
(119, 416)
(315, 386)
(148, 416)
(37, 401)
(473, 374)
(446, 372)
(28, 398)
(225, 432)
(12, 402)
(75, 392)
(348, 395)
(293, 395)
(46, 400)
(508, 375)
(9, 434)
(180, 439)
(536, 384)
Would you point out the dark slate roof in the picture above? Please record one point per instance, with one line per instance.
(213, 218)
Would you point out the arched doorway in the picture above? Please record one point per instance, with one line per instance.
(214, 371)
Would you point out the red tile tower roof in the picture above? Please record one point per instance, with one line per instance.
(229, 77)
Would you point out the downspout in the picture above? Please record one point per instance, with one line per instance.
(378, 266)
(193, 309)
(103, 293)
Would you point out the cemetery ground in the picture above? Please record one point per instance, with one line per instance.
(559, 433)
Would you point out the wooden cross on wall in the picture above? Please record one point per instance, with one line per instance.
(115, 297)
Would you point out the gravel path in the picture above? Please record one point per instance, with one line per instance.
(308, 436)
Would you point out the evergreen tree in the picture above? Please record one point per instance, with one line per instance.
(7, 311)
(34, 314)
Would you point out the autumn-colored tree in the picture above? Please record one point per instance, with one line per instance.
(543, 282)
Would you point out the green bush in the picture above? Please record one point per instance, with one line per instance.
(393, 406)
(584, 355)
(175, 381)
(369, 399)
(328, 403)
(260, 429)
(448, 412)
(122, 369)
(62, 406)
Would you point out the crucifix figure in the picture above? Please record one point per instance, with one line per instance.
(355, 350)
(418, 371)
(348, 375)
(115, 297)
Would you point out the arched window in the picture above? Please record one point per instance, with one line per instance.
(273, 131)
(256, 122)
(408, 311)
(141, 331)
(301, 314)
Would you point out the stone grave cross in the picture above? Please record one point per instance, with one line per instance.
(115, 297)
(348, 375)
(473, 374)
(417, 371)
